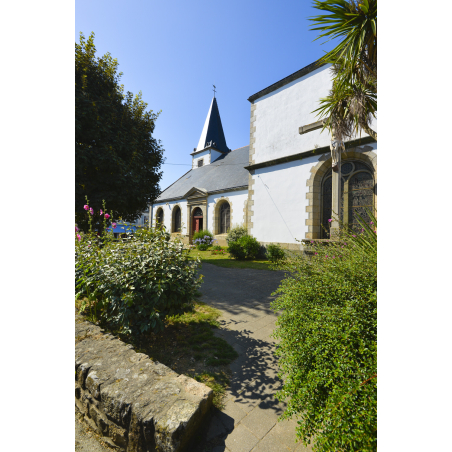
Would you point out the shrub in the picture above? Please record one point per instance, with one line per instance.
(275, 253)
(328, 348)
(235, 233)
(203, 237)
(201, 234)
(134, 283)
(217, 248)
(246, 247)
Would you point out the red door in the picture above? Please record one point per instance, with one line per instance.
(196, 224)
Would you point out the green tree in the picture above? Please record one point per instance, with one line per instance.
(116, 157)
(352, 102)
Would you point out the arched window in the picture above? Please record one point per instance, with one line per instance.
(160, 217)
(177, 219)
(357, 195)
(225, 218)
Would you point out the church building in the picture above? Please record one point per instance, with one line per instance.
(282, 186)
(213, 195)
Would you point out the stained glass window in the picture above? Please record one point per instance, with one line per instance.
(357, 195)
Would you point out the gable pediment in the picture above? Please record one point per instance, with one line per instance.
(196, 192)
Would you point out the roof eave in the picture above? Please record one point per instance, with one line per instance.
(290, 78)
(208, 148)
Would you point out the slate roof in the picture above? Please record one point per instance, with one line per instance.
(212, 131)
(226, 172)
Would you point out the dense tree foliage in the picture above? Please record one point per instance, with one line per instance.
(116, 157)
(352, 103)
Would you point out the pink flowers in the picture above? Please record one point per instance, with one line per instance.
(86, 207)
(107, 216)
(113, 224)
(100, 213)
(91, 211)
(79, 237)
(316, 254)
(371, 222)
(330, 220)
(76, 229)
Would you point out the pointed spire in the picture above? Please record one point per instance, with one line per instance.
(212, 132)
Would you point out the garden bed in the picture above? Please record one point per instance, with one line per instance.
(187, 345)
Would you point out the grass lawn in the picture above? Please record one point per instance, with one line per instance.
(224, 260)
(188, 346)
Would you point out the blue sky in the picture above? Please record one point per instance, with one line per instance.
(173, 52)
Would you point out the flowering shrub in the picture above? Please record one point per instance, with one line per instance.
(203, 239)
(275, 253)
(217, 250)
(134, 283)
(328, 347)
(246, 247)
(235, 233)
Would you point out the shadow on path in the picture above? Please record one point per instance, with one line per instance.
(249, 419)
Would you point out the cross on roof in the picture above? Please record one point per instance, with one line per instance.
(214, 88)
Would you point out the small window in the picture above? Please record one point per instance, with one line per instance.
(200, 162)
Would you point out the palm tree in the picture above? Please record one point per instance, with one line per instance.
(352, 101)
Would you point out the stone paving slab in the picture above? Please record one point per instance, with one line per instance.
(249, 421)
(241, 439)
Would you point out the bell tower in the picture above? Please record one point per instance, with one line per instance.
(212, 143)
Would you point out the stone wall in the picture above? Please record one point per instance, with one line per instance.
(136, 404)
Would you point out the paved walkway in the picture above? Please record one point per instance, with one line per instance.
(249, 421)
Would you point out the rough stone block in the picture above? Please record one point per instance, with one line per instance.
(138, 404)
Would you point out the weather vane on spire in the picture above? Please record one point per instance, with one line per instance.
(214, 88)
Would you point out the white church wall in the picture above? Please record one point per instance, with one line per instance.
(279, 210)
(205, 156)
(237, 201)
(168, 213)
(280, 113)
